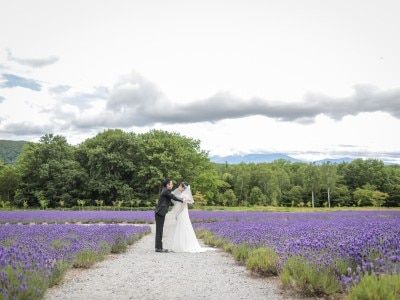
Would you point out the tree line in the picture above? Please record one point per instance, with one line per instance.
(282, 183)
(117, 168)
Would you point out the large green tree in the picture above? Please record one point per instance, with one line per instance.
(165, 154)
(123, 166)
(49, 168)
(112, 160)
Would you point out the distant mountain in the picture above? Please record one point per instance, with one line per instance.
(267, 158)
(10, 150)
(334, 160)
(252, 158)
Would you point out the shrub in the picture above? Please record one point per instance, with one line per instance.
(119, 246)
(132, 239)
(228, 247)
(58, 272)
(210, 239)
(385, 287)
(241, 252)
(86, 258)
(105, 248)
(308, 279)
(342, 266)
(263, 261)
(33, 286)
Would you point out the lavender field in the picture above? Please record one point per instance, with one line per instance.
(349, 245)
(56, 216)
(323, 237)
(34, 257)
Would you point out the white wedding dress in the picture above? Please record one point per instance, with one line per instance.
(179, 235)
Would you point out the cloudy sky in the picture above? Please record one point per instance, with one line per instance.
(310, 78)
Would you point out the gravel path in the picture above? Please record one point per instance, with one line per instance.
(141, 273)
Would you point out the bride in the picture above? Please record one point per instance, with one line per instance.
(180, 236)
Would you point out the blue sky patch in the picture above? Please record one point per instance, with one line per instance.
(12, 81)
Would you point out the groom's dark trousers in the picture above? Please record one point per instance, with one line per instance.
(159, 230)
(161, 210)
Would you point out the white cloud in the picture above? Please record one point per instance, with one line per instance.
(32, 62)
(135, 101)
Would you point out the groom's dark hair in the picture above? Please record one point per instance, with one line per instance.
(165, 182)
(184, 184)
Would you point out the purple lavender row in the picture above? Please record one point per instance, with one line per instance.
(107, 216)
(52, 216)
(368, 241)
(29, 255)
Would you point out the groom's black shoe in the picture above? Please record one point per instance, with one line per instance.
(162, 250)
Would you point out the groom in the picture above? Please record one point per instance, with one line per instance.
(162, 209)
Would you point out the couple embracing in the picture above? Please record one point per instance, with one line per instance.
(179, 229)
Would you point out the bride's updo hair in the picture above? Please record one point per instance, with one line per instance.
(184, 184)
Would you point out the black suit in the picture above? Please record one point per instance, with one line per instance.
(161, 210)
